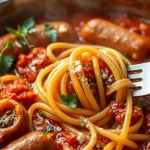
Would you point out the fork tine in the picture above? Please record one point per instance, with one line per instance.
(135, 76)
(135, 67)
(138, 84)
(137, 93)
(144, 75)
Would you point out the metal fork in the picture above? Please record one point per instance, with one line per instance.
(140, 76)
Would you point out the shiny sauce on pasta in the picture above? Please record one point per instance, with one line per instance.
(28, 66)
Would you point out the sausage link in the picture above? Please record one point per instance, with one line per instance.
(38, 38)
(32, 141)
(105, 33)
(14, 121)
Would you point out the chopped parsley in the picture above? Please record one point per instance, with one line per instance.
(143, 104)
(69, 100)
(28, 26)
(48, 129)
(82, 122)
(50, 33)
(23, 30)
(126, 64)
(6, 61)
(126, 54)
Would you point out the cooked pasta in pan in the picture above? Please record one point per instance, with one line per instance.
(60, 91)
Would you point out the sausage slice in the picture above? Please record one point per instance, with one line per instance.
(38, 38)
(14, 121)
(105, 33)
(32, 141)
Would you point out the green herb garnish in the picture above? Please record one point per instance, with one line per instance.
(48, 129)
(126, 64)
(50, 33)
(82, 122)
(28, 26)
(69, 100)
(143, 104)
(6, 61)
(23, 30)
(126, 54)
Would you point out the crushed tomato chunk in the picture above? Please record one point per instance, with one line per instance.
(67, 138)
(118, 110)
(19, 91)
(28, 66)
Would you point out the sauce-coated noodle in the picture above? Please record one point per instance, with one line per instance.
(52, 82)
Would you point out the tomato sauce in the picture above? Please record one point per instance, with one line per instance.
(19, 91)
(61, 136)
(28, 67)
(107, 77)
(117, 109)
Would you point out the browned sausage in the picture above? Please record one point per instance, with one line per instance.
(14, 121)
(38, 38)
(32, 141)
(105, 33)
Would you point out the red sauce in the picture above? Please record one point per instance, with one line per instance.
(105, 140)
(67, 138)
(28, 66)
(40, 123)
(107, 77)
(147, 123)
(105, 69)
(129, 22)
(145, 145)
(19, 91)
(117, 109)
(89, 74)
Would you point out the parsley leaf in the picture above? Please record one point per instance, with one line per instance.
(32, 30)
(69, 100)
(126, 64)
(27, 25)
(6, 61)
(9, 44)
(143, 104)
(82, 122)
(47, 26)
(126, 54)
(22, 41)
(48, 129)
(12, 31)
(23, 30)
(50, 33)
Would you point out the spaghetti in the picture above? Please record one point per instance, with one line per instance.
(93, 114)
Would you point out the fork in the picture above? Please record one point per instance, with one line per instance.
(140, 75)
